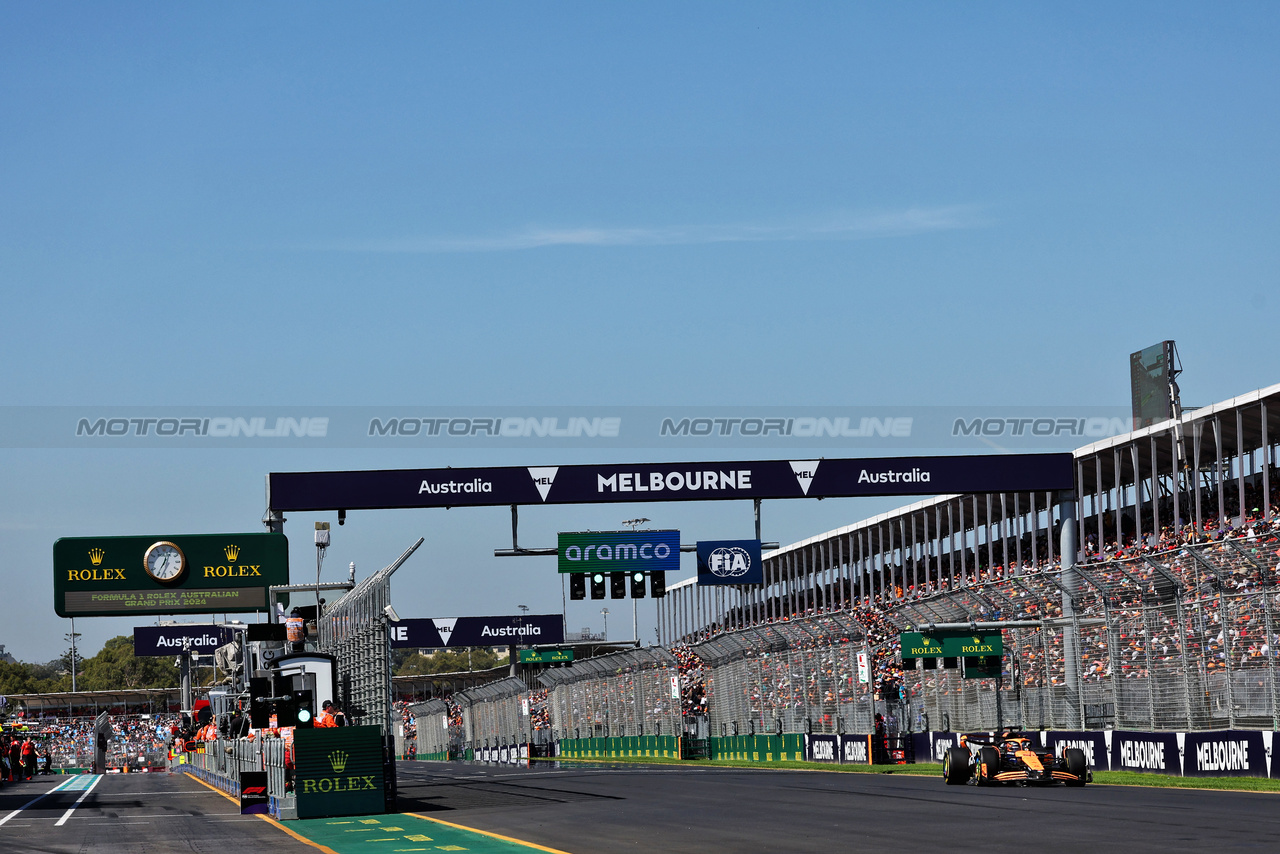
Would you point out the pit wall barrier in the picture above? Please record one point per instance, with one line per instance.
(622, 747)
(334, 772)
(758, 748)
(788, 747)
(1223, 753)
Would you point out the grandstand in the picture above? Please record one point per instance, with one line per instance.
(1166, 619)
(1176, 562)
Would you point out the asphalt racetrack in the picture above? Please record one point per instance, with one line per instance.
(131, 813)
(593, 809)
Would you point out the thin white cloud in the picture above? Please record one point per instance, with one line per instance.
(850, 227)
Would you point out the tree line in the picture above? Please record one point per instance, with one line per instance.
(115, 667)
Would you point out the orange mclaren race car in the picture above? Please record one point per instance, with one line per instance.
(1011, 758)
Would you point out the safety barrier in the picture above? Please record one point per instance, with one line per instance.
(651, 746)
(220, 763)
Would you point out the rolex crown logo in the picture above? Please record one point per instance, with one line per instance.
(95, 556)
(232, 552)
(338, 761)
(977, 639)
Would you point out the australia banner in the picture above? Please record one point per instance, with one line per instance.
(171, 640)
(447, 632)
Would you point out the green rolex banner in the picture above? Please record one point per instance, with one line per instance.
(167, 574)
(951, 644)
(338, 771)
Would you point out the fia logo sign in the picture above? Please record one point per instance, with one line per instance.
(729, 562)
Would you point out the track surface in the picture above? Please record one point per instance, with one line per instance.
(598, 809)
(593, 810)
(132, 814)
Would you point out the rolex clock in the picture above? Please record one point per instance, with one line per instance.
(165, 562)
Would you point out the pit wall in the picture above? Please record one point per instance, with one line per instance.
(637, 746)
(1224, 753)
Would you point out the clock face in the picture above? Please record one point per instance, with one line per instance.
(165, 561)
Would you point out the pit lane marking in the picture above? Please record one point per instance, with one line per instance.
(57, 788)
(79, 800)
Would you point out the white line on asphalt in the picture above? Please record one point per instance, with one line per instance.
(115, 824)
(212, 816)
(65, 782)
(68, 813)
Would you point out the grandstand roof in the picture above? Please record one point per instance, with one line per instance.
(1251, 424)
(60, 701)
(1188, 416)
(1250, 436)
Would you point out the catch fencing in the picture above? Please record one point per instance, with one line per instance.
(630, 693)
(437, 737)
(797, 676)
(354, 630)
(1178, 640)
(625, 694)
(492, 714)
(1183, 640)
(1186, 641)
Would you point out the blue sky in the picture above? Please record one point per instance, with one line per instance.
(580, 204)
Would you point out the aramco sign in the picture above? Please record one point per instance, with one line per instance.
(619, 551)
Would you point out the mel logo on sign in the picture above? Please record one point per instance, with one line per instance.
(730, 562)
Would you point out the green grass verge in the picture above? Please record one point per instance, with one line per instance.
(927, 769)
(1226, 784)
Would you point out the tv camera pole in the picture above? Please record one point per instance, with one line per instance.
(635, 623)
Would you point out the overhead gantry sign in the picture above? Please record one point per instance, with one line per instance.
(647, 482)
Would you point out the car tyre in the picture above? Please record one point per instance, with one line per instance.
(1076, 764)
(955, 766)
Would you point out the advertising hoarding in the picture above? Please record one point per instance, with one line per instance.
(171, 640)
(618, 551)
(545, 656)
(950, 644)
(338, 771)
(447, 632)
(685, 481)
(167, 573)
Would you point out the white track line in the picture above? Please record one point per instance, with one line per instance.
(65, 782)
(68, 813)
